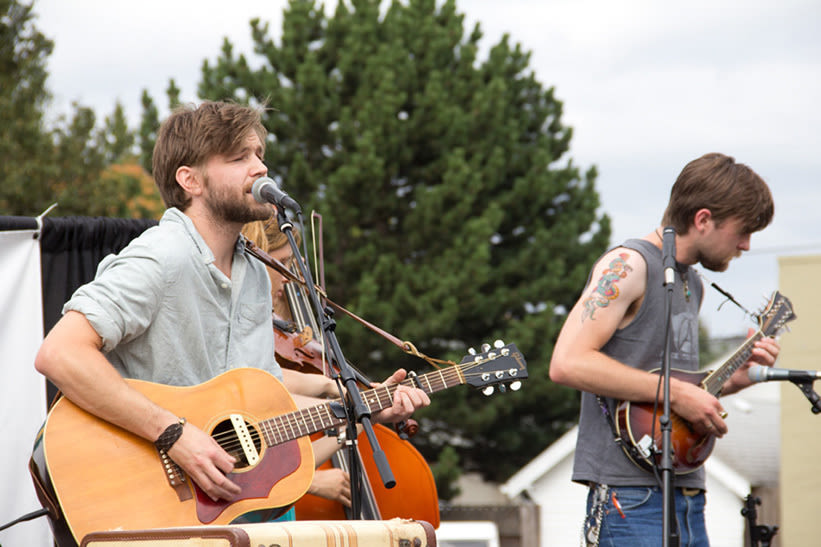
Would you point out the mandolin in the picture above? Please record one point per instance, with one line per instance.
(638, 424)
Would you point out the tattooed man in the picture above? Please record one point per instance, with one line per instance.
(616, 333)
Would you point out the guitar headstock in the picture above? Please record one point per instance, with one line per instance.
(502, 365)
(776, 314)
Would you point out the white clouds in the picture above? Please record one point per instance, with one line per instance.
(109, 51)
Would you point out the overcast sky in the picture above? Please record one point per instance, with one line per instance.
(647, 86)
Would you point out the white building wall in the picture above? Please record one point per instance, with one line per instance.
(725, 524)
(562, 504)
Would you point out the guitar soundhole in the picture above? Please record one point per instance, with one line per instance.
(227, 437)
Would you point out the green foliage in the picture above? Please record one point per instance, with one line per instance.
(23, 94)
(446, 472)
(67, 163)
(150, 123)
(451, 213)
(91, 169)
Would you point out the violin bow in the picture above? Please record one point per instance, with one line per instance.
(405, 346)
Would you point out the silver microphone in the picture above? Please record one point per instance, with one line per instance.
(759, 373)
(265, 190)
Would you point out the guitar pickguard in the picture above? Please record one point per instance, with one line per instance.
(277, 462)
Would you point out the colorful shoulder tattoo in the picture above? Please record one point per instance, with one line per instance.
(606, 289)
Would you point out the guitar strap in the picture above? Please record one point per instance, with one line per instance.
(628, 448)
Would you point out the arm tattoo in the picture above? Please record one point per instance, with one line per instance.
(606, 289)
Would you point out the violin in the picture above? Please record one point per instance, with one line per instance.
(297, 349)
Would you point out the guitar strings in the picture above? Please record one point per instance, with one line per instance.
(231, 443)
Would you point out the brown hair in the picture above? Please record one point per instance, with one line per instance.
(728, 189)
(192, 135)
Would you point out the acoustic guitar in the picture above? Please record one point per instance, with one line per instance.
(638, 424)
(106, 478)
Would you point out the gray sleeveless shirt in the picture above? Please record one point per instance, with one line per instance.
(598, 459)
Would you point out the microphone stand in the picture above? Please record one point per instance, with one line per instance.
(760, 534)
(812, 396)
(355, 408)
(669, 534)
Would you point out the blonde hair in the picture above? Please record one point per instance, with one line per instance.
(266, 235)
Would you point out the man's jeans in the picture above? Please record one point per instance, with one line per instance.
(632, 516)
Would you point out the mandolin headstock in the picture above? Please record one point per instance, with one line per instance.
(775, 314)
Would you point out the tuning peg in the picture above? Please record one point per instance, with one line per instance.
(485, 348)
(515, 386)
(472, 351)
(513, 372)
(488, 391)
(498, 344)
(502, 388)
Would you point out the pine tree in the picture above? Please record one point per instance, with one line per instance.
(67, 163)
(23, 94)
(149, 124)
(452, 213)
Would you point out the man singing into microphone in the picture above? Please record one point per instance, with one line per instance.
(615, 333)
(183, 302)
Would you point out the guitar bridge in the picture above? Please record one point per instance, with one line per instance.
(176, 477)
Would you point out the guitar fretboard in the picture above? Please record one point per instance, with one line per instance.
(299, 423)
(713, 382)
(773, 319)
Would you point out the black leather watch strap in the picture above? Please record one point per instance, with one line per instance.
(168, 437)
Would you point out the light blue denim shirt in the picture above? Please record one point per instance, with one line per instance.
(168, 315)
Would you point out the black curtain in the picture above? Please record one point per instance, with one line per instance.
(70, 249)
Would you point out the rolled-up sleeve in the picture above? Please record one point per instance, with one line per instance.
(125, 296)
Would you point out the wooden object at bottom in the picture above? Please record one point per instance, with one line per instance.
(332, 533)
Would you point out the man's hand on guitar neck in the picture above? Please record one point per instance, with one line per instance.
(405, 399)
(765, 352)
(204, 460)
(306, 388)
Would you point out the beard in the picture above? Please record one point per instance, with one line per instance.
(226, 206)
(716, 264)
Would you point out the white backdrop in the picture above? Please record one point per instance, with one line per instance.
(22, 389)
